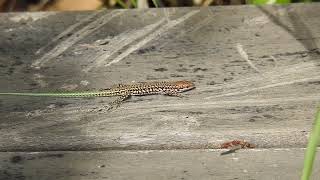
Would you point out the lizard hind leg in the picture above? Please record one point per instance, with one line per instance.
(115, 104)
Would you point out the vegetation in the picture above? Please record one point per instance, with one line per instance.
(311, 149)
(59, 5)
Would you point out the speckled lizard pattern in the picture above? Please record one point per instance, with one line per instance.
(123, 90)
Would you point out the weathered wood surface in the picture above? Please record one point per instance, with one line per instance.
(269, 99)
(262, 164)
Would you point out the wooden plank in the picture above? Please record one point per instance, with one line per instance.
(268, 99)
(263, 164)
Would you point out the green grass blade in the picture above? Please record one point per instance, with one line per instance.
(134, 3)
(122, 4)
(311, 149)
(155, 3)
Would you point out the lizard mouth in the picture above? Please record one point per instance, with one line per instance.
(187, 88)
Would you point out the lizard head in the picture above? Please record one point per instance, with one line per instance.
(182, 86)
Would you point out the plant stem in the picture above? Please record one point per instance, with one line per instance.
(311, 149)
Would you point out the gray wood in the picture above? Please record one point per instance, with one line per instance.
(262, 164)
(269, 99)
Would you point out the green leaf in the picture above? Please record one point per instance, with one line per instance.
(311, 149)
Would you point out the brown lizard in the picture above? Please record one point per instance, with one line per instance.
(125, 91)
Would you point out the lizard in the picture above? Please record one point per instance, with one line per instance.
(124, 91)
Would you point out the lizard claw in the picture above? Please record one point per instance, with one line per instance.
(110, 107)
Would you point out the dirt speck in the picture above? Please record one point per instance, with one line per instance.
(15, 159)
(160, 69)
(199, 69)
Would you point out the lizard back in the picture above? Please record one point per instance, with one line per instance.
(148, 88)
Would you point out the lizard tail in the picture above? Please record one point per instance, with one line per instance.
(69, 94)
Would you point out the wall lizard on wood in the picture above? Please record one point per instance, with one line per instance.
(125, 91)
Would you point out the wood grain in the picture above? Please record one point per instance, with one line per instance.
(264, 164)
(256, 70)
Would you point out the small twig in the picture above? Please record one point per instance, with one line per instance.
(235, 145)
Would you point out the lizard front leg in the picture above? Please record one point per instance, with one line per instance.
(172, 93)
